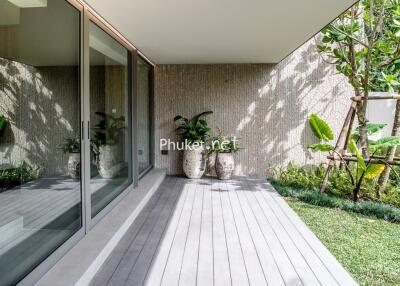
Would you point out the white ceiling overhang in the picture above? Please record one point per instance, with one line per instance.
(218, 31)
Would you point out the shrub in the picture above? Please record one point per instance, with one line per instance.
(368, 208)
(13, 177)
(339, 185)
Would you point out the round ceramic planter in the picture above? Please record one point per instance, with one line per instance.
(224, 166)
(74, 165)
(109, 166)
(194, 162)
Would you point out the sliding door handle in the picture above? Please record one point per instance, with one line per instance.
(88, 130)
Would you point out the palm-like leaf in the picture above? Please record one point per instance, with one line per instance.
(384, 143)
(372, 128)
(373, 171)
(321, 147)
(320, 128)
(194, 129)
(354, 150)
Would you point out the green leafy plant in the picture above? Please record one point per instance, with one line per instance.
(323, 132)
(365, 207)
(363, 169)
(3, 123)
(71, 145)
(223, 144)
(363, 44)
(194, 130)
(13, 177)
(109, 129)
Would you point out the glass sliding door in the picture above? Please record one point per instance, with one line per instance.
(110, 114)
(143, 114)
(40, 183)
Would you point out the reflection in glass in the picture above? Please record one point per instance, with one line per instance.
(40, 191)
(109, 115)
(143, 110)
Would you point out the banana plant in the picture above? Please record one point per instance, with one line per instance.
(363, 169)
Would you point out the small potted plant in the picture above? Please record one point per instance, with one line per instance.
(107, 135)
(225, 147)
(72, 147)
(194, 132)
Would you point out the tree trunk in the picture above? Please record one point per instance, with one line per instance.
(384, 177)
(362, 126)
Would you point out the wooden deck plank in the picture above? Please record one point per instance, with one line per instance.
(238, 268)
(174, 262)
(329, 261)
(188, 275)
(156, 272)
(210, 232)
(286, 268)
(120, 276)
(143, 262)
(221, 259)
(271, 270)
(113, 261)
(251, 259)
(303, 270)
(205, 266)
(322, 274)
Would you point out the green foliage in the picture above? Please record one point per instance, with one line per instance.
(363, 43)
(321, 147)
(369, 208)
(339, 184)
(363, 169)
(3, 123)
(384, 143)
(320, 128)
(372, 128)
(194, 130)
(71, 145)
(13, 177)
(109, 129)
(362, 244)
(223, 144)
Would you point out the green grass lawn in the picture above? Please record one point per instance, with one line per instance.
(367, 247)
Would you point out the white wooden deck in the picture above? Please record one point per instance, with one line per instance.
(210, 232)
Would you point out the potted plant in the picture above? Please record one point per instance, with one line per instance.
(72, 147)
(107, 134)
(194, 132)
(225, 147)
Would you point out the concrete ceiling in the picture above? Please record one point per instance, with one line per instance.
(218, 31)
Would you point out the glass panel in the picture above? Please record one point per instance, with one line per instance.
(143, 109)
(40, 190)
(109, 115)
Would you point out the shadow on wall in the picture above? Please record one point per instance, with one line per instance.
(42, 106)
(266, 106)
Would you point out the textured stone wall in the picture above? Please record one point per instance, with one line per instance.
(42, 106)
(266, 106)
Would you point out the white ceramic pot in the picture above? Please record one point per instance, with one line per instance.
(74, 165)
(194, 162)
(109, 163)
(224, 166)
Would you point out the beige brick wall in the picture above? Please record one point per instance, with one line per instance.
(264, 105)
